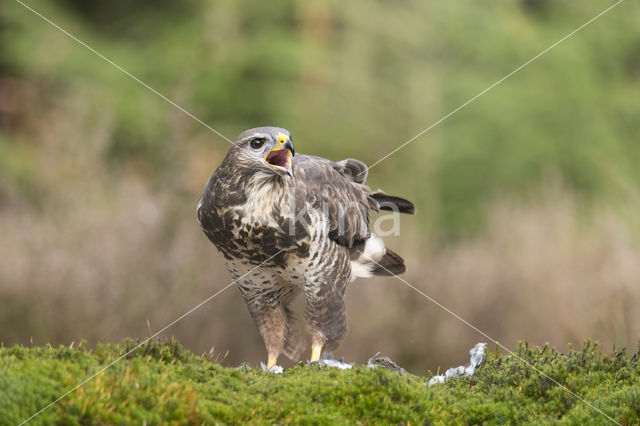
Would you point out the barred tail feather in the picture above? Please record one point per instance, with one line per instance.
(390, 264)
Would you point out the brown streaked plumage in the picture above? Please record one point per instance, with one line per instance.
(308, 218)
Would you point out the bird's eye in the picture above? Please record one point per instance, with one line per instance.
(256, 143)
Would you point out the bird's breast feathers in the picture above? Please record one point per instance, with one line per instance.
(264, 224)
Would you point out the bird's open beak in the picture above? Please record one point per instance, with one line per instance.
(280, 157)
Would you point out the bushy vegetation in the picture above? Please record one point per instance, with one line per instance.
(164, 383)
(356, 81)
(527, 199)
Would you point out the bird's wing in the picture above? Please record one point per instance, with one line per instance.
(352, 169)
(337, 190)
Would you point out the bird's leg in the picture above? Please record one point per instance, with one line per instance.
(324, 296)
(326, 321)
(294, 341)
(316, 351)
(272, 325)
(270, 318)
(272, 361)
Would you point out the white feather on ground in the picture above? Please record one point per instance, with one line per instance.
(477, 356)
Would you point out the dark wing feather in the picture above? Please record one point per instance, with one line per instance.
(392, 203)
(337, 189)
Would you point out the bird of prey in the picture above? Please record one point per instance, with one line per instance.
(289, 223)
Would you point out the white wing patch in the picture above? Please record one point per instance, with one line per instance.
(374, 249)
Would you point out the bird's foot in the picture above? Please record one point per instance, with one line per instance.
(316, 351)
(276, 369)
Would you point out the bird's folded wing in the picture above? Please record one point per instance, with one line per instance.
(336, 190)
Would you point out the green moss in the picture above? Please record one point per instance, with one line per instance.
(164, 383)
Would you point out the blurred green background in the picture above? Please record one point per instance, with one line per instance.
(527, 198)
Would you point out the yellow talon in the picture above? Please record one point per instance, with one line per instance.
(316, 350)
(272, 362)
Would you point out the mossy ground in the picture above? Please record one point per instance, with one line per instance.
(163, 383)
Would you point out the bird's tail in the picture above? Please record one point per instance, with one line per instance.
(373, 258)
(390, 264)
(396, 204)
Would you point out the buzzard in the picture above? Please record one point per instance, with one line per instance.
(289, 223)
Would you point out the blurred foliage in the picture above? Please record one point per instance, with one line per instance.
(527, 198)
(163, 383)
(349, 80)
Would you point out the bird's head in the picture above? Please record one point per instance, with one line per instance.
(266, 149)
